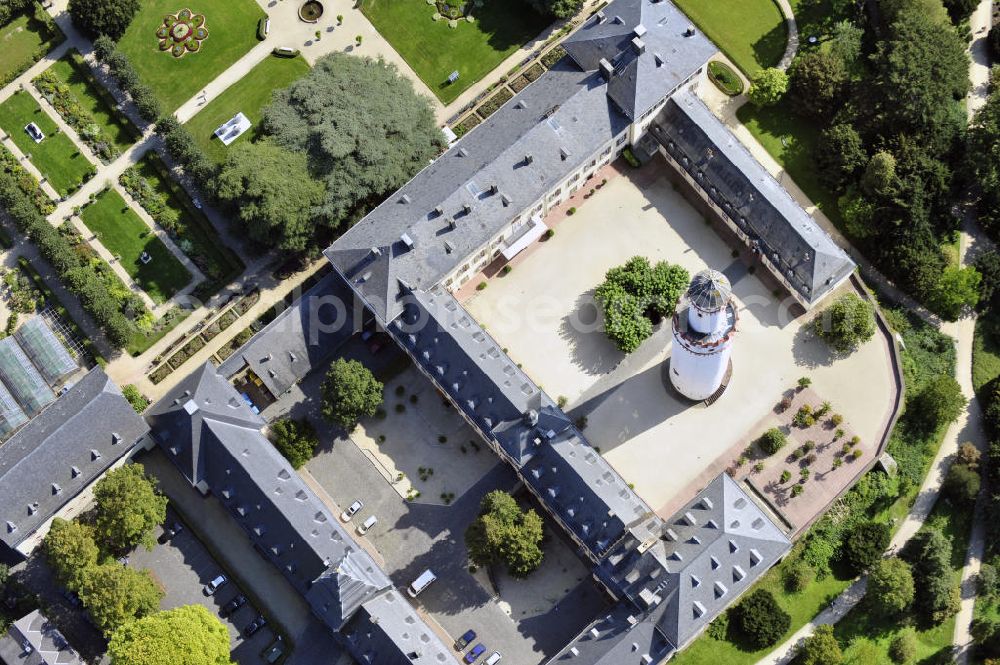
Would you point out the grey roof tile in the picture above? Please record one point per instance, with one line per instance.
(387, 631)
(61, 451)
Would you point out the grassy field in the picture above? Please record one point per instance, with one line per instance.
(72, 71)
(434, 50)
(20, 40)
(752, 33)
(125, 235)
(57, 157)
(249, 95)
(218, 262)
(986, 350)
(792, 142)
(232, 31)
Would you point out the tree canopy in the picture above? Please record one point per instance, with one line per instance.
(103, 17)
(937, 405)
(929, 553)
(350, 392)
(864, 544)
(115, 594)
(633, 295)
(503, 533)
(821, 648)
(890, 587)
(760, 619)
(847, 323)
(767, 87)
(70, 550)
(295, 439)
(557, 8)
(183, 635)
(363, 130)
(272, 193)
(816, 83)
(128, 508)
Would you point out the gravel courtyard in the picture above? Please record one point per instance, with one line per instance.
(543, 312)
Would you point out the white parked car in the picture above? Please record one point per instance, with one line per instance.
(351, 511)
(36, 134)
(215, 585)
(421, 583)
(494, 659)
(366, 525)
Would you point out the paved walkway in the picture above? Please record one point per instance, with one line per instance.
(979, 69)
(792, 46)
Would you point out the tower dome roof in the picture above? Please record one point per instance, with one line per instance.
(710, 291)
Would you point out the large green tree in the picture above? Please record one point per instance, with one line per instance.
(983, 159)
(70, 550)
(864, 544)
(103, 17)
(114, 595)
(847, 323)
(362, 127)
(821, 648)
(841, 155)
(936, 597)
(272, 193)
(128, 508)
(634, 295)
(816, 83)
(296, 439)
(350, 392)
(557, 8)
(503, 533)
(181, 636)
(890, 587)
(767, 87)
(760, 619)
(937, 405)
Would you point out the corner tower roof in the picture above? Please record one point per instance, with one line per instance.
(710, 291)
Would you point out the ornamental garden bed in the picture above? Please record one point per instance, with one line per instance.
(493, 104)
(25, 181)
(724, 78)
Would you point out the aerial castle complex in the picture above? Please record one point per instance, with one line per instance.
(704, 326)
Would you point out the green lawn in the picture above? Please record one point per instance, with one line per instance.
(216, 261)
(434, 50)
(249, 95)
(232, 31)
(125, 235)
(752, 33)
(986, 350)
(792, 142)
(57, 157)
(72, 71)
(20, 40)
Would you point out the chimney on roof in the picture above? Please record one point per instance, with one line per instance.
(494, 188)
(462, 152)
(528, 158)
(452, 223)
(505, 200)
(438, 211)
(658, 59)
(607, 69)
(601, 17)
(405, 198)
(531, 417)
(618, 20)
(449, 247)
(689, 32)
(467, 208)
(640, 30)
(407, 240)
(563, 153)
(638, 45)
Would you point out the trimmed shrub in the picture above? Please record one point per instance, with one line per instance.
(772, 441)
(760, 619)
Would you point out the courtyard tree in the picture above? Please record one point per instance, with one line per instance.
(636, 295)
(103, 17)
(890, 587)
(903, 647)
(821, 648)
(362, 128)
(864, 544)
(272, 193)
(350, 392)
(503, 533)
(772, 441)
(295, 439)
(816, 83)
(115, 594)
(128, 508)
(70, 550)
(841, 155)
(760, 619)
(767, 87)
(847, 323)
(937, 405)
(993, 41)
(847, 42)
(180, 636)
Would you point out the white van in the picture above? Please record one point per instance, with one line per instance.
(368, 524)
(421, 583)
(494, 659)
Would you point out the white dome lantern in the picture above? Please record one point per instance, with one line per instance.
(704, 327)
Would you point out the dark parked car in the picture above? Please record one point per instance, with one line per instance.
(256, 625)
(170, 532)
(465, 640)
(233, 605)
(71, 598)
(476, 652)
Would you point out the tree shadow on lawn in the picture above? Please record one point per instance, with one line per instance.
(583, 332)
(508, 24)
(769, 49)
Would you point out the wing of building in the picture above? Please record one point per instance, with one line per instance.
(34, 640)
(55, 457)
(215, 439)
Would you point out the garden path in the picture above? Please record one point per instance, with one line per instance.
(793, 34)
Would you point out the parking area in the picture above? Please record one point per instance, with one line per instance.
(184, 566)
(544, 313)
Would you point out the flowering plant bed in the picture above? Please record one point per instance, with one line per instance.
(182, 33)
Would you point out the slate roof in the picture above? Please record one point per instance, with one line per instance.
(553, 457)
(616, 638)
(785, 233)
(300, 339)
(387, 631)
(48, 646)
(282, 516)
(650, 46)
(61, 451)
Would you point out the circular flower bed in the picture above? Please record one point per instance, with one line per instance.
(311, 11)
(182, 33)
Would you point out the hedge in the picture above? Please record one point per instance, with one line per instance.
(128, 79)
(25, 182)
(80, 275)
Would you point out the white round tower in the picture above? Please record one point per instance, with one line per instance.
(704, 327)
